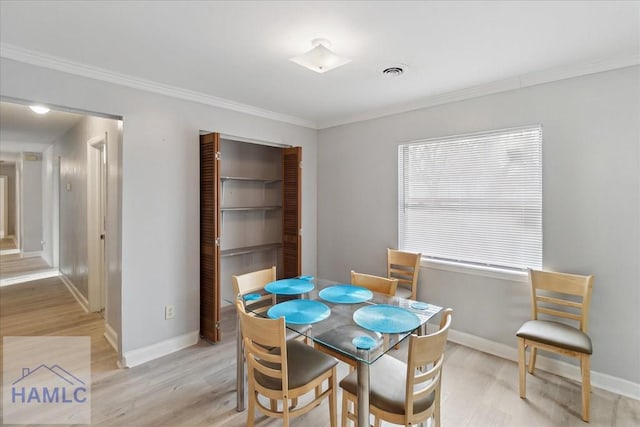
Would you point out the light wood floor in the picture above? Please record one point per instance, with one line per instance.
(14, 265)
(196, 386)
(7, 243)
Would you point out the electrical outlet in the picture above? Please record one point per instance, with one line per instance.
(169, 312)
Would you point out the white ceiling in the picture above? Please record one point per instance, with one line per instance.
(17, 120)
(23, 130)
(239, 51)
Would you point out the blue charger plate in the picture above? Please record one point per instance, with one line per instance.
(345, 294)
(300, 311)
(387, 319)
(289, 287)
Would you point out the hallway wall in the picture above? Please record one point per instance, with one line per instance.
(31, 213)
(73, 257)
(9, 170)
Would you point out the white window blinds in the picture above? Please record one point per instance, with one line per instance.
(473, 198)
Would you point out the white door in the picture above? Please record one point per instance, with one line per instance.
(96, 220)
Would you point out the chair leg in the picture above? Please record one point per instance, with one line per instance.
(532, 360)
(521, 367)
(333, 398)
(285, 412)
(251, 408)
(585, 368)
(345, 409)
(436, 410)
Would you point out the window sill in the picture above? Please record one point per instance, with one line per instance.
(475, 270)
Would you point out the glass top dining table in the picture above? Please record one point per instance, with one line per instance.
(353, 323)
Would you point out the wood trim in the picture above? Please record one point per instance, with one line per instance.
(291, 211)
(209, 233)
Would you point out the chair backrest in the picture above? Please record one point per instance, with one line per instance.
(378, 284)
(561, 295)
(261, 336)
(405, 267)
(424, 366)
(254, 282)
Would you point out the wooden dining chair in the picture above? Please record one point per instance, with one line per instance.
(252, 285)
(283, 371)
(405, 267)
(557, 298)
(382, 285)
(406, 393)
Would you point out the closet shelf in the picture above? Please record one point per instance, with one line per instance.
(250, 208)
(248, 179)
(249, 249)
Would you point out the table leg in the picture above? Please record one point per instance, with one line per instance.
(239, 368)
(363, 394)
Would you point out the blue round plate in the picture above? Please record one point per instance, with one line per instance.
(305, 277)
(345, 294)
(252, 297)
(364, 342)
(387, 319)
(300, 311)
(289, 287)
(420, 305)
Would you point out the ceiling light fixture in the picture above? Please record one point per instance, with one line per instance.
(39, 109)
(320, 59)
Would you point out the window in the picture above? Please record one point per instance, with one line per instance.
(474, 199)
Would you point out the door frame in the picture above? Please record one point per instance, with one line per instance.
(4, 206)
(97, 162)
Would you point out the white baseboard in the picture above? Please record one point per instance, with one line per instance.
(554, 366)
(111, 336)
(84, 303)
(145, 354)
(29, 277)
(32, 254)
(9, 251)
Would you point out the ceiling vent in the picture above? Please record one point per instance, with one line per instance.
(393, 71)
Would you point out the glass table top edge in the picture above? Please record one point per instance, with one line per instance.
(337, 331)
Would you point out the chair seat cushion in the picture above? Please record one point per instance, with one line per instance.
(556, 334)
(304, 364)
(387, 382)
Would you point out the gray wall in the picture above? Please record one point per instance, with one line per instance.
(591, 219)
(9, 170)
(160, 189)
(31, 228)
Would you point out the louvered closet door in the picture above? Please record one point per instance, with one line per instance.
(209, 250)
(291, 216)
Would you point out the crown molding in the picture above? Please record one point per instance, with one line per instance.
(621, 60)
(55, 63)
